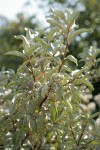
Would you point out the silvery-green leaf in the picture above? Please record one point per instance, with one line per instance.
(53, 113)
(59, 91)
(25, 42)
(32, 48)
(68, 12)
(28, 34)
(94, 115)
(44, 58)
(67, 68)
(51, 34)
(59, 14)
(71, 18)
(84, 82)
(58, 24)
(72, 58)
(79, 72)
(77, 32)
(16, 53)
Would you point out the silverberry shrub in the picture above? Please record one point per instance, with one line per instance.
(41, 103)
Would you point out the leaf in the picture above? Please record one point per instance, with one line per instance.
(94, 115)
(40, 41)
(28, 34)
(96, 142)
(77, 32)
(67, 11)
(42, 32)
(32, 48)
(25, 42)
(33, 125)
(54, 113)
(84, 82)
(71, 18)
(78, 73)
(14, 105)
(59, 14)
(72, 58)
(23, 66)
(58, 24)
(74, 93)
(59, 91)
(16, 53)
(42, 59)
(51, 34)
(67, 68)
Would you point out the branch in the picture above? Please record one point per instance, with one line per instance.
(81, 134)
(46, 96)
(73, 134)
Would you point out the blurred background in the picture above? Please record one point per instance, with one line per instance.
(15, 15)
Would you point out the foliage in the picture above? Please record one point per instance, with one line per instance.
(8, 42)
(43, 98)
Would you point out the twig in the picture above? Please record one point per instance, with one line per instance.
(81, 134)
(73, 134)
(46, 96)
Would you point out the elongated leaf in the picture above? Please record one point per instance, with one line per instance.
(72, 58)
(25, 42)
(58, 24)
(74, 93)
(94, 115)
(44, 59)
(71, 18)
(51, 34)
(16, 53)
(54, 113)
(83, 81)
(68, 12)
(28, 34)
(59, 91)
(79, 72)
(77, 32)
(59, 14)
(67, 68)
(32, 48)
(23, 65)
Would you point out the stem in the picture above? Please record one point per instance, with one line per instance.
(73, 134)
(46, 96)
(81, 134)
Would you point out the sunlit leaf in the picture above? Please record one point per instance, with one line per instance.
(72, 58)
(25, 42)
